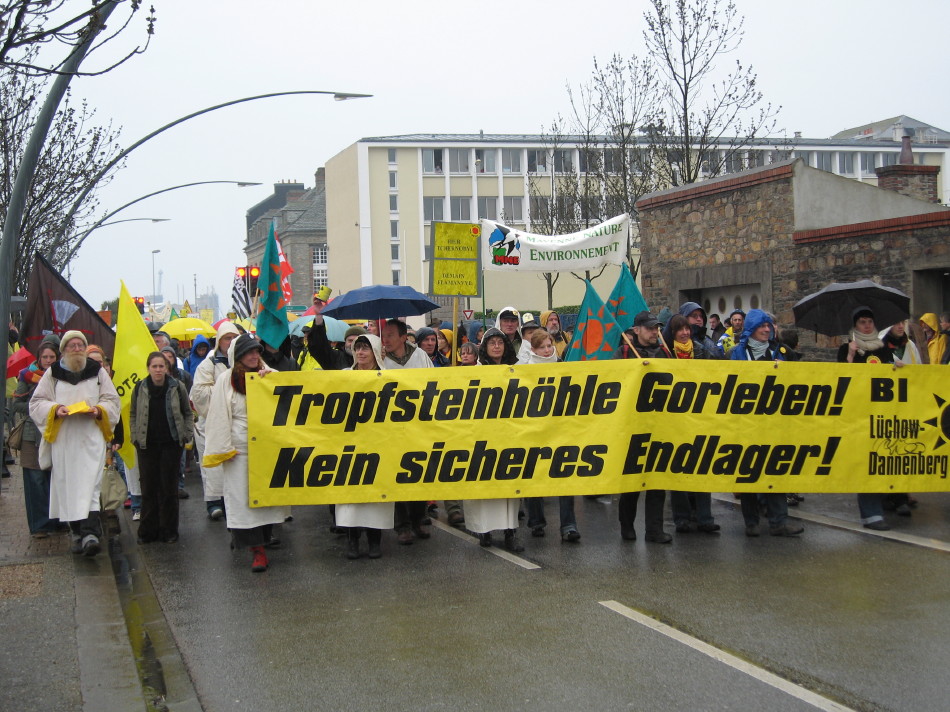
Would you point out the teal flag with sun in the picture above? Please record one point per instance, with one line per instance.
(626, 301)
(596, 334)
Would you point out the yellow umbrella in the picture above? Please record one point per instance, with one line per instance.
(187, 328)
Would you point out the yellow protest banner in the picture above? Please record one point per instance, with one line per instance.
(595, 428)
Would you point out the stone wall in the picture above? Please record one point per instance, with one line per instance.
(697, 238)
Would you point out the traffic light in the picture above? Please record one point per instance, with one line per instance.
(242, 273)
(253, 272)
(139, 304)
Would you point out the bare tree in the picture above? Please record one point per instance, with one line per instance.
(710, 117)
(625, 92)
(74, 151)
(28, 25)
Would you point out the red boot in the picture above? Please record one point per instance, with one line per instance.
(260, 559)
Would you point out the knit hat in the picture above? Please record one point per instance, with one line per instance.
(354, 331)
(74, 334)
(244, 344)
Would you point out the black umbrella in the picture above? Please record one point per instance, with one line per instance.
(829, 311)
(379, 302)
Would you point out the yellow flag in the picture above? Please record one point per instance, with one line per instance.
(133, 344)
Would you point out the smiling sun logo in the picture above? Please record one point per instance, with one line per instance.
(942, 422)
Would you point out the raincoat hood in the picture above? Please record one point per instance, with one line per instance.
(377, 345)
(508, 357)
(689, 307)
(930, 319)
(227, 328)
(498, 319)
(545, 315)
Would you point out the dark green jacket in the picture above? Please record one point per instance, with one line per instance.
(177, 410)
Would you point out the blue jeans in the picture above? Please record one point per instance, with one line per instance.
(682, 512)
(536, 513)
(776, 506)
(871, 507)
(36, 498)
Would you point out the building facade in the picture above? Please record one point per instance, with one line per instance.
(384, 193)
(300, 219)
(766, 237)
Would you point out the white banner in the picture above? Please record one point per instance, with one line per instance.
(509, 250)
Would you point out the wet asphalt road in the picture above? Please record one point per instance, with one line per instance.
(446, 625)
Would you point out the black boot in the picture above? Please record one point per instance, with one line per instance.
(374, 537)
(512, 542)
(353, 543)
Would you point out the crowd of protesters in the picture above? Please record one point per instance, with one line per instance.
(191, 413)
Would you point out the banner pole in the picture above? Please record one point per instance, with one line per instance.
(455, 330)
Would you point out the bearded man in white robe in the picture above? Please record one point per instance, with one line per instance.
(76, 407)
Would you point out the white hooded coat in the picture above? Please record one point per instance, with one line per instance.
(226, 450)
(374, 515)
(205, 376)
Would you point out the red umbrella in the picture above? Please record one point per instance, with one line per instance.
(18, 361)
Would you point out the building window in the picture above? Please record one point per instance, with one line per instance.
(395, 277)
(391, 155)
(733, 162)
(394, 203)
(319, 257)
(458, 160)
(433, 209)
(461, 209)
(588, 160)
(537, 161)
(613, 160)
(392, 180)
(846, 164)
(889, 158)
(805, 156)
(539, 208)
(823, 160)
(758, 158)
(488, 208)
(394, 251)
(485, 160)
(431, 160)
(511, 160)
(514, 210)
(867, 163)
(564, 160)
(393, 229)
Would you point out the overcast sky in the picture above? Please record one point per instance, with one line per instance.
(443, 67)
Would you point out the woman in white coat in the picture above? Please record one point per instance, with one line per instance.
(226, 447)
(371, 517)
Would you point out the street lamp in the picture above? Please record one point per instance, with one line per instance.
(69, 273)
(154, 252)
(102, 221)
(337, 96)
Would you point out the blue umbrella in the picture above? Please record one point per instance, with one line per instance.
(336, 329)
(379, 302)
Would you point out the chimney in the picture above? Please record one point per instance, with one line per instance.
(914, 181)
(320, 179)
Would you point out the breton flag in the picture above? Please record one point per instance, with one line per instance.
(239, 295)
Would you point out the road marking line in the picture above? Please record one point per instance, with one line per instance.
(856, 527)
(761, 674)
(506, 555)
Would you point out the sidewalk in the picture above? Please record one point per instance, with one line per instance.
(65, 641)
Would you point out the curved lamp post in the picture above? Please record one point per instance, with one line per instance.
(102, 221)
(116, 222)
(337, 96)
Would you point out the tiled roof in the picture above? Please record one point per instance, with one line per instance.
(314, 216)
